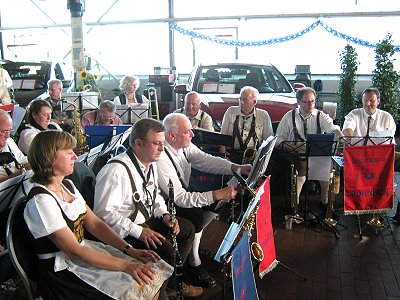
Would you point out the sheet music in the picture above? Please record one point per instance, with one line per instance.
(132, 113)
(319, 168)
(90, 100)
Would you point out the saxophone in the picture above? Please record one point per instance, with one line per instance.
(249, 155)
(77, 129)
(178, 258)
(334, 187)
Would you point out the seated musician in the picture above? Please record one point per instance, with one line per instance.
(247, 125)
(191, 108)
(362, 121)
(127, 198)
(129, 86)
(39, 118)
(199, 207)
(13, 161)
(70, 266)
(295, 125)
(104, 115)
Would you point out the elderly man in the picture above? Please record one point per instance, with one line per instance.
(12, 159)
(199, 207)
(248, 125)
(128, 199)
(197, 117)
(295, 125)
(104, 115)
(64, 119)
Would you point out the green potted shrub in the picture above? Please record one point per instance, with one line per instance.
(385, 77)
(348, 79)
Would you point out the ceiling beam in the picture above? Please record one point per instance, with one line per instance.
(215, 18)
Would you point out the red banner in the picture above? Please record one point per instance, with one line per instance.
(265, 232)
(368, 179)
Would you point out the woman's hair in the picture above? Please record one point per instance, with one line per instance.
(127, 80)
(43, 150)
(36, 106)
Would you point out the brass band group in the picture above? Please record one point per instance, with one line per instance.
(119, 239)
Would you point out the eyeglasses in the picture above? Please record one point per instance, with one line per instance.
(157, 144)
(6, 132)
(308, 102)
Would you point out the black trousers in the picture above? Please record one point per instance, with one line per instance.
(166, 250)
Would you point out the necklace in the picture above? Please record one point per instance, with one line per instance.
(58, 193)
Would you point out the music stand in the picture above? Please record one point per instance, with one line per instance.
(83, 100)
(316, 145)
(258, 168)
(14, 188)
(102, 134)
(132, 113)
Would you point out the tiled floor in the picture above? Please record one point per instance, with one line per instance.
(344, 268)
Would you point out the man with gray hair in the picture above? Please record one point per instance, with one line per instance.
(199, 207)
(58, 116)
(104, 115)
(249, 126)
(197, 117)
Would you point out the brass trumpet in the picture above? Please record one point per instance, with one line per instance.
(249, 155)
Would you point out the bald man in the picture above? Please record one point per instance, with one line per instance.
(197, 117)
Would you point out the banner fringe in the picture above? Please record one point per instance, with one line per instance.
(366, 212)
(270, 268)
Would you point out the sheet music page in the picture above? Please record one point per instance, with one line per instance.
(319, 168)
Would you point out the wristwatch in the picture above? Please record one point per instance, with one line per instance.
(127, 247)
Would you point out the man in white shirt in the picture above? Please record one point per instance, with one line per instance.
(14, 159)
(249, 126)
(369, 117)
(295, 125)
(199, 207)
(128, 199)
(198, 118)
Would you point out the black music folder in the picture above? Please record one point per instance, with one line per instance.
(320, 144)
(205, 137)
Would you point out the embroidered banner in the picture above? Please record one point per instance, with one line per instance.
(265, 232)
(368, 179)
(244, 286)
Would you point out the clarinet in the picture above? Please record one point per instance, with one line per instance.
(178, 258)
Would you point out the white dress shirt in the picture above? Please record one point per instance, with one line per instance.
(194, 158)
(113, 197)
(357, 120)
(19, 156)
(285, 130)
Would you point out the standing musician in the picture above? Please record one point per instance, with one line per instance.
(198, 118)
(199, 207)
(129, 86)
(128, 199)
(13, 161)
(295, 125)
(248, 125)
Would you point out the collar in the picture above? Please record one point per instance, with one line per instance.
(143, 168)
(313, 113)
(171, 149)
(253, 113)
(197, 116)
(373, 116)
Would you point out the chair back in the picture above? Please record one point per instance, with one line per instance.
(20, 250)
